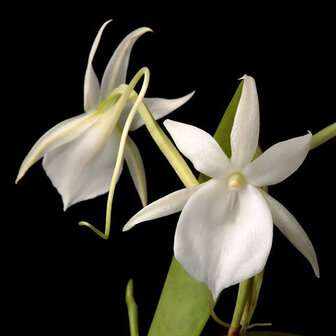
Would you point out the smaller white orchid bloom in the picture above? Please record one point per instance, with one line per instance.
(79, 154)
(224, 233)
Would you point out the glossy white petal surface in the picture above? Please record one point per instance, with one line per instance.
(278, 162)
(164, 206)
(200, 148)
(115, 72)
(160, 107)
(245, 129)
(220, 246)
(292, 230)
(136, 168)
(91, 83)
(60, 134)
(82, 168)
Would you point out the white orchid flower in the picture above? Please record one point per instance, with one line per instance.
(224, 233)
(79, 154)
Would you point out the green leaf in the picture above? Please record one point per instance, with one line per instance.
(184, 305)
(183, 308)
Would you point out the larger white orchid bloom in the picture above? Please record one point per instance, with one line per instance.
(224, 233)
(79, 154)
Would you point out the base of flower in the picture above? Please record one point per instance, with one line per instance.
(233, 331)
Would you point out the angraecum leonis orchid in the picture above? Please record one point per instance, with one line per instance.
(224, 233)
(225, 230)
(80, 154)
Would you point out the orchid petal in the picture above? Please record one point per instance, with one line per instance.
(82, 168)
(164, 206)
(200, 148)
(278, 162)
(60, 134)
(136, 168)
(91, 83)
(160, 107)
(115, 72)
(245, 129)
(292, 230)
(220, 246)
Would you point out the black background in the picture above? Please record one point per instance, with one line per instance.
(61, 277)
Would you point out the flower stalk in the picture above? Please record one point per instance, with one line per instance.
(324, 135)
(243, 294)
(251, 303)
(132, 309)
(165, 145)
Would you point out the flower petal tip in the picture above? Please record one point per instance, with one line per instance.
(243, 77)
(188, 96)
(20, 174)
(167, 122)
(66, 204)
(316, 271)
(105, 24)
(108, 21)
(126, 227)
(141, 31)
(18, 179)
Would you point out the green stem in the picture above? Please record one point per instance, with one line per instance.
(132, 309)
(324, 135)
(243, 292)
(213, 314)
(251, 302)
(166, 146)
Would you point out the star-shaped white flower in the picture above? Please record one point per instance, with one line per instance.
(79, 154)
(224, 233)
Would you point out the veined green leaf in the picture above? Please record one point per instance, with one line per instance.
(184, 305)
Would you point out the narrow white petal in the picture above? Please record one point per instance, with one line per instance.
(116, 70)
(245, 129)
(292, 230)
(82, 168)
(60, 134)
(200, 148)
(164, 206)
(220, 246)
(91, 83)
(160, 107)
(278, 162)
(136, 168)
